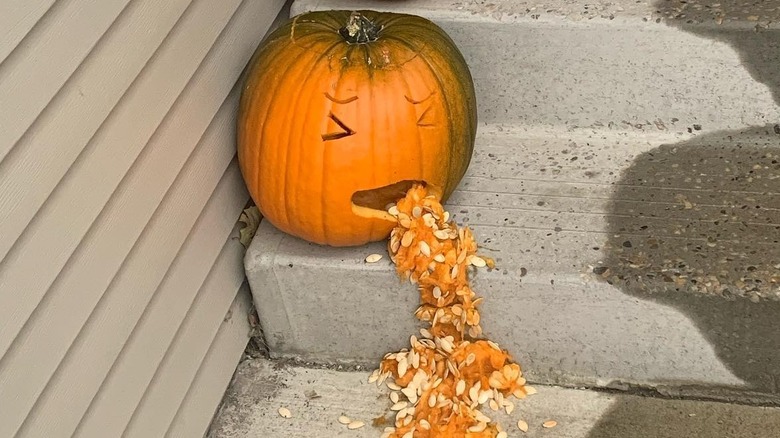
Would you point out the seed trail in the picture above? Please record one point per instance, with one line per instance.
(450, 374)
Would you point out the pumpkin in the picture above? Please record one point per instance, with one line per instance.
(342, 112)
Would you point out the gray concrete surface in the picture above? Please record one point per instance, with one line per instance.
(316, 399)
(632, 72)
(569, 298)
(624, 178)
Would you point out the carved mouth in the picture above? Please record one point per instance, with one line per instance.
(373, 203)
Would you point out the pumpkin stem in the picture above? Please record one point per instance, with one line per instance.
(359, 29)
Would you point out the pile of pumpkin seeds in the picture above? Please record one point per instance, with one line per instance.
(442, 383)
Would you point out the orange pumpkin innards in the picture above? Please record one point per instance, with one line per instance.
(442, 380)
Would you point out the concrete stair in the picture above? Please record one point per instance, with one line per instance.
(316, 398)
(625, 179)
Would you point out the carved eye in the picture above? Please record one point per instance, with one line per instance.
(345, 131)
(425, 117)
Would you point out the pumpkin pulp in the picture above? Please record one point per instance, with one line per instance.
(450, 371)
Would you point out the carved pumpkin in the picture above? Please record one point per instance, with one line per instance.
(342, 112)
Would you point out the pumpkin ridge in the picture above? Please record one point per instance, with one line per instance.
(293, 121)
(418, 134)
(447, 189)
(299, 145)
(325, 152)
(265, 125)
(372, 103)
(415, 25)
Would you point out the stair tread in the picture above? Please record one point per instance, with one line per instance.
(317, 398)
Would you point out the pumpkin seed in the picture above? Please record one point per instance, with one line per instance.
(441, 234)
(502, 434)
(284, 412)
(425, 249)
(344, 419)
(373, 258)
(399, 405)
(478, 262)
(522, 425)
(357, 424)
(460, 387)
(479, 416)
(410, 393)
(406, 241)
(549, 424)
(479, 427)
(402, 367)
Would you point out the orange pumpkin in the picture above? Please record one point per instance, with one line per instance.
(342, 112)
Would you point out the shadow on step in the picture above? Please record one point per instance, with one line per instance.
(696, 226)
(759, 49)
(637, 417)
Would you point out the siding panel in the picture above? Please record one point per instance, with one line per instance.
(81, 197)
(17, 17)
(63, 38)
(134, 368)
(120, 196)
(32, 171)
(80, 374)
(202, 400)
(173, 378)
(75, 203)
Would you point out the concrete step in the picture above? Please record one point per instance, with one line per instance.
(317, 398)
(625, 180)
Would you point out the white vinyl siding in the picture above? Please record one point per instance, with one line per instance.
(119, 197)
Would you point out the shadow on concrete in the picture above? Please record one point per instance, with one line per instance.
(635, 417)
(696, 226)
(743, 24)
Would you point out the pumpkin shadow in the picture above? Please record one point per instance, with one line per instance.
(696, 226)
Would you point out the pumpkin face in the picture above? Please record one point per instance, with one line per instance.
(342, 112)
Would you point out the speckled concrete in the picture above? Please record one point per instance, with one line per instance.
(316, 399)
(764, 13)
(624, 178)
